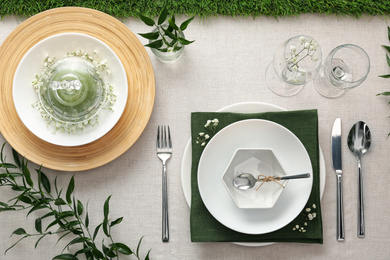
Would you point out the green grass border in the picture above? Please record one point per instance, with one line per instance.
(206, 8)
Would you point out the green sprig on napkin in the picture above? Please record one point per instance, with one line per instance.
(306, 228)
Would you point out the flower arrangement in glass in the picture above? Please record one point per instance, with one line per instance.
(296, 62)
(167, 39)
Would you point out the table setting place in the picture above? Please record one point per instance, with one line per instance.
(203, 138)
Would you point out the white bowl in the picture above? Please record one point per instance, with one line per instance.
(58, 46)
(256, 162)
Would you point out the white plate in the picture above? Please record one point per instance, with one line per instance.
(216, 156)
(245, 107)
(58, 46)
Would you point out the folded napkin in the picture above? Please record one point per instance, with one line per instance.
(306, 228)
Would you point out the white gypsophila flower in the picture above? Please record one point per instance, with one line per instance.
(308, 209)
(310, 216)
(206, 136)
(301, 39)
(203, 144)
(293, 48)
(207, 123)
(314, 206)
(201, 134)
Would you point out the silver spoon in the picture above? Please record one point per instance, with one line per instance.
(359, 141)
(246, 181)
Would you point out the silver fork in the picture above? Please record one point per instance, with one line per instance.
(164, 152)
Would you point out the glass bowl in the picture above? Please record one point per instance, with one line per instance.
(73, 90)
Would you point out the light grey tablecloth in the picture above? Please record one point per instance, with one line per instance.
(226, 65)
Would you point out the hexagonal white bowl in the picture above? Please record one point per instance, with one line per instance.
(257, 162)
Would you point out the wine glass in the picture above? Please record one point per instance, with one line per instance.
(296, 62)
(346, 67)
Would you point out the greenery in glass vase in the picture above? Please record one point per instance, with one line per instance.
(61, 211)
(167, 36)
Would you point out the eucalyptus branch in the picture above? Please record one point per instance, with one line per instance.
(63, 211)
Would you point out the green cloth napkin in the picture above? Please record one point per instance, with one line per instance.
(205, 228)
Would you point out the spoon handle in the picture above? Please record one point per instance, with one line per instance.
(295, 176)
(361, 229)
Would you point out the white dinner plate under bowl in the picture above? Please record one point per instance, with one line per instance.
(246, 107)
(254, 133)
(32, 64)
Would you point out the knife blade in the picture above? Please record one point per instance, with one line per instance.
(337, 166)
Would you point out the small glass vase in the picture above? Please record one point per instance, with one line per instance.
(170, 55)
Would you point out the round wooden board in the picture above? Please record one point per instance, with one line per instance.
(140, 77)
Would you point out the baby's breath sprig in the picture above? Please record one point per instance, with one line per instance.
(210, 129)
(310, 215)
(308, 49)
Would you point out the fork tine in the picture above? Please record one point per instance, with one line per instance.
(158, 138)
(164, 137)
(169, 139)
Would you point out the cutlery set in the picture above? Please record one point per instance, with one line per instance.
(359, 141)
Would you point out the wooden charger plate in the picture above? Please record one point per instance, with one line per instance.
(140, 77)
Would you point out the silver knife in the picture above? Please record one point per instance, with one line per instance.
(337, 166)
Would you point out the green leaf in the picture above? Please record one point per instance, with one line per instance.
(27, 175)
(38, 225)
(25, 199)
(87, 219)
(39, 205)
(184, 41)
(16, 157)
(80, 207)
(150, 36)
(105, 227)
(59, 202)
(184, 24)
(19, 231)
(8, 165)
(139, 245)
(146, 20)
(106, 208)
(15, 243)
(39, 240)
(70, 190)
(156, 44)
(116, 222)
(122, 248)
(147, 256)
(386, 47)
(172, 23)
(45, 181)
(48, 215)
(83, 251)
(169, 34)
(384, 94)
(388, 60)
(385, 76)
(96, 253)
(388, 32)
(77, 240)
(96, 232)
(65, 257)
(63, 236)
(163, 16)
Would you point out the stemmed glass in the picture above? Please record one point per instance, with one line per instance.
(346, 67)
(296, 62)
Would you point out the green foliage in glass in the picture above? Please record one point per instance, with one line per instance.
(166, 36)
(63, 212)
(386, 93)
